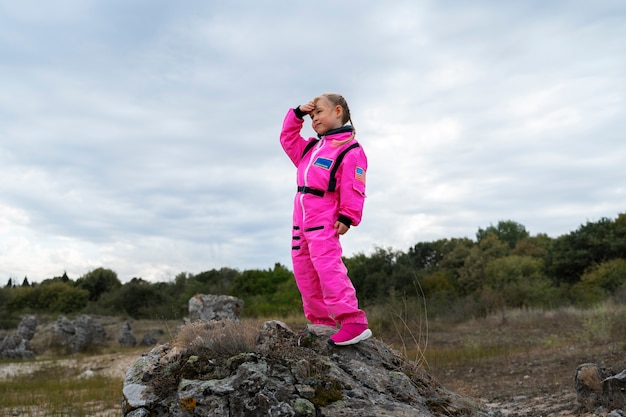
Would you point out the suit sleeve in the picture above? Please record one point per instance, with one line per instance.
(292, 142)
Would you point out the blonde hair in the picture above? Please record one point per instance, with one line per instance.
(338, 100)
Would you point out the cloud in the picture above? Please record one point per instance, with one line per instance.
(143, 137)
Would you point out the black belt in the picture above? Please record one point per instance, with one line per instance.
(309, 190)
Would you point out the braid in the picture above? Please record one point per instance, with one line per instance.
(338, 100)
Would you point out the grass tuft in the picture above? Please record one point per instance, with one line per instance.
(219, 339)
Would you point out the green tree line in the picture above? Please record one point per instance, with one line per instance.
(503, 267)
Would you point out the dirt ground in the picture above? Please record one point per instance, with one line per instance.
(535, 379)
(539, 383)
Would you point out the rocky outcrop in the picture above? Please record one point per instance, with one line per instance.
(598, 386)
(17, 345)
(214, 307)
(284, 373)
(80, 335)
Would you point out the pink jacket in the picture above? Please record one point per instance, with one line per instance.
(314, 169)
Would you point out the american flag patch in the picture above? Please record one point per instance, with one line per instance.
(359, 174)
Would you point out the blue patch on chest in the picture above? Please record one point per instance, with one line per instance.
(323, 162)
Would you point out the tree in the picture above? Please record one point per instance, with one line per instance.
(372, 276)
(536, 246)
(472, 274)
(215, 281)
(25, 283)
(455, 258)
(60, 297)
(507, 231)
(266, 292)
(599, 281)
(260, 282)
(57, 297)
(437, 282)
(519, 281)
(427, 256)
(592, 243)
(137, 298)
(98, 281)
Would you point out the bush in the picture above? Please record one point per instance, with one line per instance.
(519, 281)
(57, 297)
(600, 281)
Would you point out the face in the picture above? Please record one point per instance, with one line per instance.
(325, 116)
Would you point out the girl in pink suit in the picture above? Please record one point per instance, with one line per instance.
(329, 199)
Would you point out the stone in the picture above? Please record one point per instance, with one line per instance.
(127, 338)
(17, 344)
(151, 338)
(27, 327)
(588, 385)
(597, 386)
(80, 335)
(215, 307)
(614, 391)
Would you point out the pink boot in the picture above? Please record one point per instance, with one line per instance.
(349, 334)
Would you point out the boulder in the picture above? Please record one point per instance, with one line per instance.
(27, 327)
(598, 386)
(284, 373)
(79, 335)
(214, 307)
(127, 339)
(614, 391)
(151, 338)
(17, 345)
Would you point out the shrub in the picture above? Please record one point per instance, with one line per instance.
(599, 281)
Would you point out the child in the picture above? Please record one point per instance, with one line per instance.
(329, 199)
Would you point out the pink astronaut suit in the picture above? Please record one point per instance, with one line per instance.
(328, 295)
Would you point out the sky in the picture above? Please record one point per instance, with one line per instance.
(143, 136)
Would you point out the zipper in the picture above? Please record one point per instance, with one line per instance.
(315, 151)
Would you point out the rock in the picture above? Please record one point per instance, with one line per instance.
(614, 391)
(284, 373)
(17, 345)
(597, 386)
(151, 338)
(127, 339)
(27, 327)
(80, 335)
(214, 307)
(588, 384)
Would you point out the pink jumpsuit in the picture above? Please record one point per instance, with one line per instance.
(328, 296)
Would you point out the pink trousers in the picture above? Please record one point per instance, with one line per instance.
(328, 296)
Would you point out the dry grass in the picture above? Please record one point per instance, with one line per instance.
(204, 347)
(56, 391)
(523, 332)
(219, 339)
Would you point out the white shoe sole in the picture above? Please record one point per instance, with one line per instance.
(367, 333)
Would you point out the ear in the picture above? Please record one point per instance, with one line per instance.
(339, 111)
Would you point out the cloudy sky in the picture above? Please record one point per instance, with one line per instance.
(142, 136)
